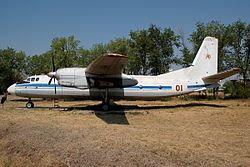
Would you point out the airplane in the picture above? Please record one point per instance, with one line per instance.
(103, 79)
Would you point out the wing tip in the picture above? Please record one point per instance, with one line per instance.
(236, 69)
(115, 55)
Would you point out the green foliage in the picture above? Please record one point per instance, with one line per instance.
(214, 29)
(12, 64)
(39, 64)
(64, 51)
(83, 57)
(233, 48)
(187, 55)
(138, 53)
(98, 50)
(236, 89)
(238, 48)
(152, 50)
(119, 45)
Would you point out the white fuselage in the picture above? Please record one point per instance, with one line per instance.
(148, 87)
(103, 79)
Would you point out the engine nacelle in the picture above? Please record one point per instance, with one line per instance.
(110, 81)
(72, 77)
(76, 77)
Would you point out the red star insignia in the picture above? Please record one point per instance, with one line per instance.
(208, 56)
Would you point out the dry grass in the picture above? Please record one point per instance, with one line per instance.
(174, 133)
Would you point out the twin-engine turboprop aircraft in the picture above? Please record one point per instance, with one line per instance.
(103, 79)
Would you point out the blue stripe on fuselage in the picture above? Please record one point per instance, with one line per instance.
(52, 86)
(197, 86)
(44, 85)
(151, 87)
(38, 85)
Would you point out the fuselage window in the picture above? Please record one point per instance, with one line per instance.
(37, 79)
(32, 79)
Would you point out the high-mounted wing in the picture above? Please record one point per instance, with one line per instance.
(108, 64)
(222, 75)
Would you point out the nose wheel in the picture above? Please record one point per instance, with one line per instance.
(29, 104)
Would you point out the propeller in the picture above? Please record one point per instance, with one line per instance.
(53, 73)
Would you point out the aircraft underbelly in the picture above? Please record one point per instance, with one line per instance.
(131, 93)
(49, 92)
(134, 92)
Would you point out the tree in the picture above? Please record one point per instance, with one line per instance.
(187, 55)
(39, 64)
(12, 64)
(161, 49)
(238, 50)
(214, 29)
(83, 57)
(86, 56)
(97, 50)
(119, 45)
(151, 51)
(138, 53)
(64, 51)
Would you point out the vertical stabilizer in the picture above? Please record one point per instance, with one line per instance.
(206, 60)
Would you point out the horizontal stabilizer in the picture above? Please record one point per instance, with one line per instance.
(219, 76)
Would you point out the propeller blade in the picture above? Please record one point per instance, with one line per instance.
(55, 84)
(52, 74)
(50, 80)
(53, 64)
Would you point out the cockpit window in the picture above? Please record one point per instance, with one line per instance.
(37, 79)
(32, 79)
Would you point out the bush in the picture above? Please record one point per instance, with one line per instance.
(236, 89)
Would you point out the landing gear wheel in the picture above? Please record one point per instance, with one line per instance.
(105, 106)
(30, 105)
(105, 102)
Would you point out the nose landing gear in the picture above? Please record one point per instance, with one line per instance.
(29, 104)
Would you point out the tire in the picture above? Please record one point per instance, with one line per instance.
(105, 106)
(29, 105)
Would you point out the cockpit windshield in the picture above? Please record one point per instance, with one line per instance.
(30, 79)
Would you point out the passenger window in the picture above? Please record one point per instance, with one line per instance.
(37, 79)
(32, 79)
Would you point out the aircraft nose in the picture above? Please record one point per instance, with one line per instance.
(11, 89)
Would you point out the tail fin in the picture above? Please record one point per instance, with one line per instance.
(206, 60)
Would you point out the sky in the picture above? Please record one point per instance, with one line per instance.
(30, 25)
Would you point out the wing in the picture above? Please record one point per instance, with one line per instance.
(108, 64)
(222, 75)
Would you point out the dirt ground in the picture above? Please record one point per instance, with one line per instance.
(138, 133)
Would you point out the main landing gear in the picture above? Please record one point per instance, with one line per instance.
(29, 104)
(105, 101)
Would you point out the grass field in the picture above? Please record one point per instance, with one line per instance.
(140, 133)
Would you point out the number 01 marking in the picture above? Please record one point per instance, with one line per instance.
(179, 88)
